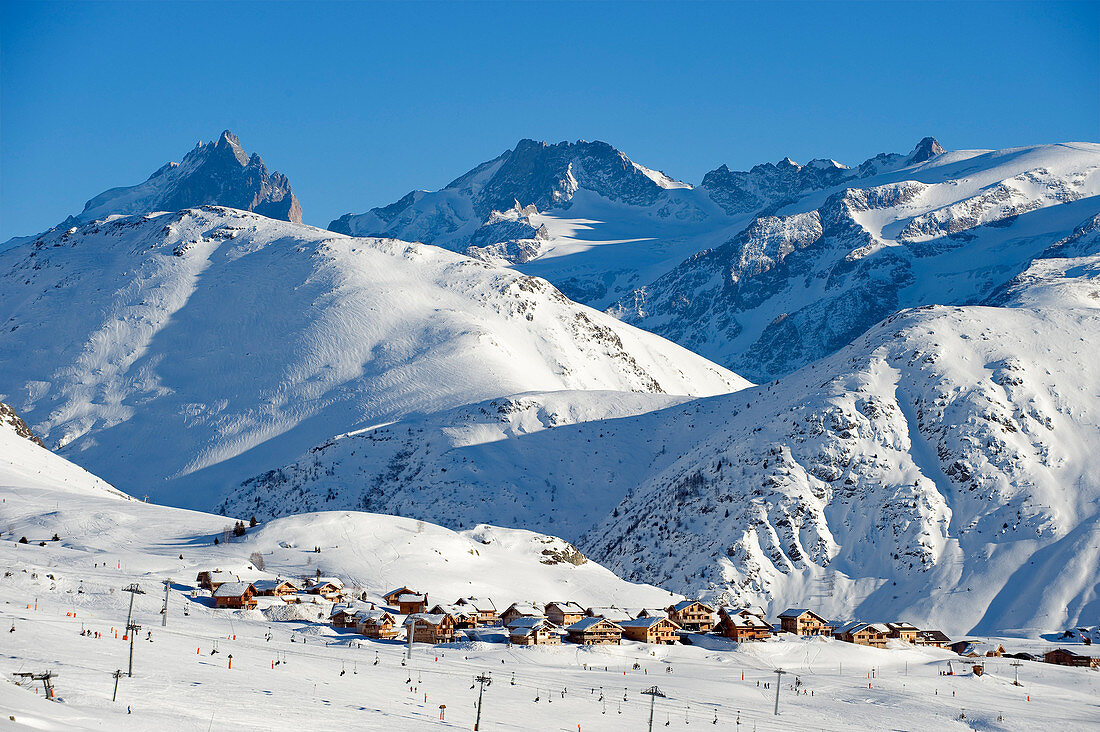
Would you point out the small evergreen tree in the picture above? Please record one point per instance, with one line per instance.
(252, 522)
(216, 542)
(23, 540)
(56, 538)
(239, 529)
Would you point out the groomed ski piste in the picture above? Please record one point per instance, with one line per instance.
(305, 674)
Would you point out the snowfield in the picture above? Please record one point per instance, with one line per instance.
(222, 342)
(302, 673)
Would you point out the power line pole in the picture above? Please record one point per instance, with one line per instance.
(164, 612)
(778, 682)
(117, 674)
(483, 679)
(653, 692)
(412, 632)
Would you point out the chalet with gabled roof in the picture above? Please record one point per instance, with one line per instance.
(903, 631)
(274, 588)
(802, 621)
(520, 610)
(391, 596)
(659, 630)
(563, 613)
(430, 628)
(464, 615)
(528, 631)
(977, 649)
(936, 638)
(692, 615)
(1083, 658)
(235, 595)
(486, 609)
(411, 602)
(378, 624)
(211, 580)
(595, 631)
(863, 634)
(612, 613)
(742, 625)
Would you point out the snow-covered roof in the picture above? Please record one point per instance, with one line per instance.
(586, 623)
(794, 612)
(412, 597)
(650, 612)
(459, 611)
(525, 608)
(429, 618)
(221, 576)
(233, 589)
(398, 591)
(641, 622)
(528, 621)
(566, 607)
(264, 584)
(481, 604)
(611, 613)
(374, 616)
(334, 581)
(902, 625)
(685, 604)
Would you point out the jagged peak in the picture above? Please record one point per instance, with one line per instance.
(926, 149)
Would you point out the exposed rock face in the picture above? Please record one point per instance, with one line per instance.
(214, 173)
(10, 420)
(793, 288)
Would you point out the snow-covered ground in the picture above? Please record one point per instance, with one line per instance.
(221, 342)
(308, 675)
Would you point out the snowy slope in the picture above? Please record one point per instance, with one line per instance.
(801, 282)
(26, 464)
(942, 467)
(180, 353)
(66, 613)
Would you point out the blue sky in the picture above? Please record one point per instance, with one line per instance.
(358, 103)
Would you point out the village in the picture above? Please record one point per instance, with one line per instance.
(408, 615)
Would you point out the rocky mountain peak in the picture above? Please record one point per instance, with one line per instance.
(926, 149)
(214, 173)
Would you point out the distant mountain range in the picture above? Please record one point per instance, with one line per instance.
(923, 438)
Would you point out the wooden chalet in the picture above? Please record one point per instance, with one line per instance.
(936, 638)
(274, 588)
(528, 631)
(520, 610)
(346, 614)
(977, 649)
(1064, 657)
(801, 621)
(563, 613)
(211, 580)
(652, 612)
(692, 615)
(485, 608)
(863, 634)
(595, 632)
(464, 615)
(903, 631)
(742, 625)
(391, 596)
(660, 631)
(235, 595)
(411, 602)
(430, 628)
(330, 588)
(377, 624)
(612, 613)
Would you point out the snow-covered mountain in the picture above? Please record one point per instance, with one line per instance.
(182, 352)
(762, 270)
(798, 284)
(940, 467)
